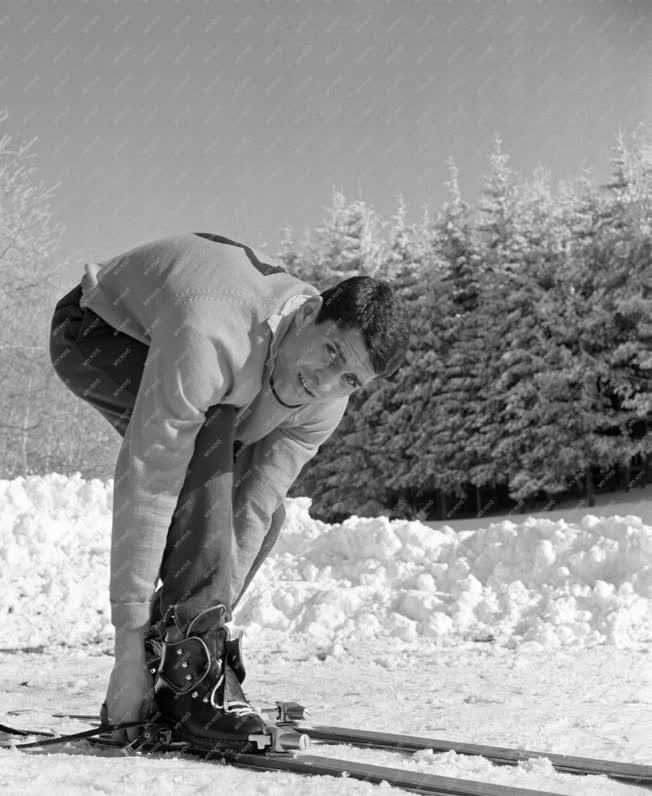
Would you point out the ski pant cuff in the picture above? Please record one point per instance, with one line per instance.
(130, 616)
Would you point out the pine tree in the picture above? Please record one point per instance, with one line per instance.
(348, 244)
(389, 410)
(624, 281)
(454, 410)
(514, 423)
(496, 224)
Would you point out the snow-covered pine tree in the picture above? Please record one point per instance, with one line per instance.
(495, 221)
(388, 412)
(543, 419)
(448, 368)
(348, 244)
(623, 252)
(502, 249)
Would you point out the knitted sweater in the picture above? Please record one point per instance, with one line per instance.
(213, 314)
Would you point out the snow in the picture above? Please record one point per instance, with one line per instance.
(533, 631)
(547, 583)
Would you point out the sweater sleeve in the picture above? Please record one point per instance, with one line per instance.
(264, 474)
(185, 373)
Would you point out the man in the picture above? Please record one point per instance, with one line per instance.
(223, 374)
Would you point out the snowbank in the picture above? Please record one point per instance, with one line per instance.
(538, 582)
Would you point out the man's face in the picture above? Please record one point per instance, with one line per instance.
(332, 362)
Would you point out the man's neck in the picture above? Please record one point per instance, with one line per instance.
(271, 374)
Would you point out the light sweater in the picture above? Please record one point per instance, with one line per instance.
(213, 313)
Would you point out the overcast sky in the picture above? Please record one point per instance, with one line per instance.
(240, 117)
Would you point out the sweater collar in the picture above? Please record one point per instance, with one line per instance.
(279, 323)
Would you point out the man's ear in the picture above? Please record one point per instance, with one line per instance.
(309, 310)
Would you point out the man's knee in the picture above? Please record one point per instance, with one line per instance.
(65, 361)
(60, 352)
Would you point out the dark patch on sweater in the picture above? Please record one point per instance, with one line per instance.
(264, 268)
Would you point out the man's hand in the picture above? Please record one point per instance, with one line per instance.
(130, 685)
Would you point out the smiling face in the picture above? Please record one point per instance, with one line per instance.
(316, 363)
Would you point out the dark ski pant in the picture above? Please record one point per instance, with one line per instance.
(103, 367)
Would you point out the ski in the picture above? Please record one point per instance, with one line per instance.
(159, 739)
(568, 764)
(315, 765)
(292, 715)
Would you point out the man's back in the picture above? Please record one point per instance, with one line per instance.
(199, 270)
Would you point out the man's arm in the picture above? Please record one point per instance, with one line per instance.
(264, 473)
(185, 373)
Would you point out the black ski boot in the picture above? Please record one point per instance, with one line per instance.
(153, 647)
(198, 691)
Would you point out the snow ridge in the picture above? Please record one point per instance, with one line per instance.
(535, 584)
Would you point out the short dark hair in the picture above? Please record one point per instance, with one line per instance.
(372, 307)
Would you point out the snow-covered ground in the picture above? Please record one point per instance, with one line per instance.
(524, 631)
